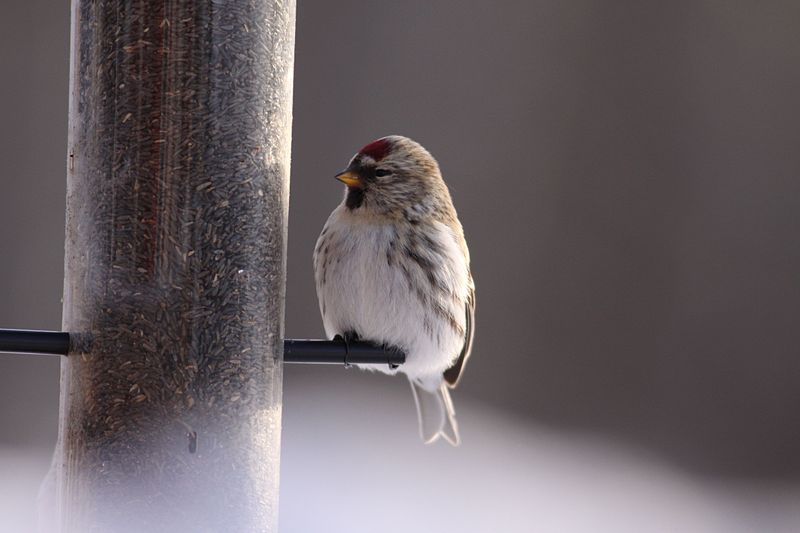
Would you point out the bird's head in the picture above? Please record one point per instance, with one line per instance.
(390, 176)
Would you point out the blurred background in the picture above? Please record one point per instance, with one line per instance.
(627, 176)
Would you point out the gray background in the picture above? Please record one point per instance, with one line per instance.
(626, 172)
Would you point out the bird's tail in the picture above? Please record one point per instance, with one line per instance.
(436, 414)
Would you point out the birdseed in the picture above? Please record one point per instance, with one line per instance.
(177, 197)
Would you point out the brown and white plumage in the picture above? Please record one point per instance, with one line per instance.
(392, 266)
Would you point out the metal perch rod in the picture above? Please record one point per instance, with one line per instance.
(309, 351)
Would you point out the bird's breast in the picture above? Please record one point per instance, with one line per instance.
(388, 285)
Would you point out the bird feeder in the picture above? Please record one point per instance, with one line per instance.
(177, 196)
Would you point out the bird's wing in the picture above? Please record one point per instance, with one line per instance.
(453, 374)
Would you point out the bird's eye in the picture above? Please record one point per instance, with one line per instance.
(381, 172)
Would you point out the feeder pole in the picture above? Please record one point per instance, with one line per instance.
(177, 198)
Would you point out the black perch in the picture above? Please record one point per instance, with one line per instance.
(308, 351)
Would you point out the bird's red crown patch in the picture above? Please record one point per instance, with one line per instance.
(377, 150)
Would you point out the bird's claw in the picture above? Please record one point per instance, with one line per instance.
(346, 343)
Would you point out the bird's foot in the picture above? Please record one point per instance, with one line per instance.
(346, 339)
(395, 349)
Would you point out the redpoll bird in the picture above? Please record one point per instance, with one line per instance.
(392, 267)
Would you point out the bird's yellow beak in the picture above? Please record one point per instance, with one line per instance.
(349, 178)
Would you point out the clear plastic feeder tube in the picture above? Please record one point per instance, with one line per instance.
(178, 176)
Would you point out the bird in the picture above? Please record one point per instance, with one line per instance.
(392, 266)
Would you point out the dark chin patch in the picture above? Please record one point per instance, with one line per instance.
(355, 198)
